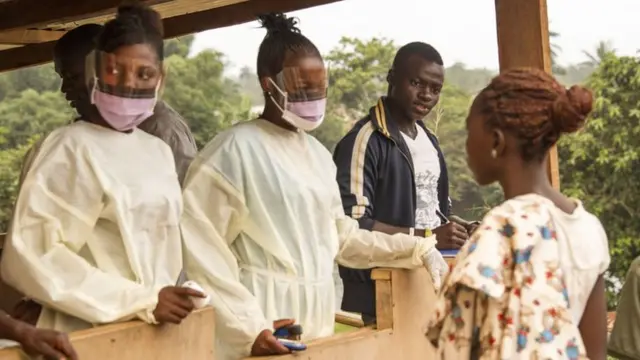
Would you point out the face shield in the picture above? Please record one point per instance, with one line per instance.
(301, 95)
(124, 89)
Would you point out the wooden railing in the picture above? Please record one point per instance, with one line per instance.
(404, 301)
(193, 339)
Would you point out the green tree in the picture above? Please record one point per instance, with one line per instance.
(448, 122)
(178, 46)
(198, 90)
(39, 78)
(250, 85)
(32, 113)
(10, 163)
(601, 51)
(601, 164)
(357, 77)
(556, 68)
(358, 73)
(469, 80)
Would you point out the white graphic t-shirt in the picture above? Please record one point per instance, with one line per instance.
(427, 172)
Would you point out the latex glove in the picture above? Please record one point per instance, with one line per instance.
(436, 266)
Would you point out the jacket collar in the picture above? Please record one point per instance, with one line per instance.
(382, 121)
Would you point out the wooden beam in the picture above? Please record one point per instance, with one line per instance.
(28, 55)
(523, 41)
(36, 54)
(31, 36)
(32, 13)
(353, 320)
(232, 15)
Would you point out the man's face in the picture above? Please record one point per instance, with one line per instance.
(415, 86)
(71, 70)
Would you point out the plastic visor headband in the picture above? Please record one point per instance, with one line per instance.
(302, 84)
(126, 77)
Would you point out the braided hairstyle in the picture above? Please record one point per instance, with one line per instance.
(134, 24)
(533, 106)
(283, 37)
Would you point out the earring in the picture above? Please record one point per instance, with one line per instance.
(494, 153)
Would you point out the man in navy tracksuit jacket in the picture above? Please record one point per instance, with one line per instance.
(391, 172)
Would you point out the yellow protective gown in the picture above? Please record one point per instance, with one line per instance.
(95, 233)
(262, 225)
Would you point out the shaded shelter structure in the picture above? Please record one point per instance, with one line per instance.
(28, 31)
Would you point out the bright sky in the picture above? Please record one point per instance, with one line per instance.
(462, 30)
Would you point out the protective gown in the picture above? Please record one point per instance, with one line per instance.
(262, 225)
(95, 233)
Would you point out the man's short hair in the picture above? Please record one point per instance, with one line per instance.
(78, 41)
(425, 51)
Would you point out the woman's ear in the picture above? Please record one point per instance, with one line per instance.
(265, 84)
(499, 142)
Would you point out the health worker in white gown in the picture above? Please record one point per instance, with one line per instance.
(263, 220)
(95, 235)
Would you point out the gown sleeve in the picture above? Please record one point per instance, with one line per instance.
(364, 249)
(57, 208)
(214, 209)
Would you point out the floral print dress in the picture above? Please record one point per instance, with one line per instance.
(505, 297)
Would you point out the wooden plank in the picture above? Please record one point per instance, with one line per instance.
(37, 54)
(193, 339)
(33, 13)
(23, 37)
(360, 344)
(381, 274)
(349, 319)
(28, 55)
(523, 41)
(413, 298)
(167, 9)
(233, 15)
(384, 305)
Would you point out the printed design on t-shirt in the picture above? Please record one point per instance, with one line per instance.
(427, 200)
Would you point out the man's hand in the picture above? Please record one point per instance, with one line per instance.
(174, 304)
(48, 343)
(450, 236)
(472, 227)
(267, 344)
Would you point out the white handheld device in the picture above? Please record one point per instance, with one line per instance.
(197, 302)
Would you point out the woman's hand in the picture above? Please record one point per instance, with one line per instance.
(48, 343)
(174, 304)
(436, 266)
(27, 311)
(267, 344)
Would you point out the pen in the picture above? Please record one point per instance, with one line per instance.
(442, 216)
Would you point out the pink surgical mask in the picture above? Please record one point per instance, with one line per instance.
(304, 115)
(123, 113)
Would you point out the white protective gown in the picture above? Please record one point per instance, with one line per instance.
(262, 225)
(95, 233)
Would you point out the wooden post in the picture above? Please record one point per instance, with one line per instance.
(523, 41)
